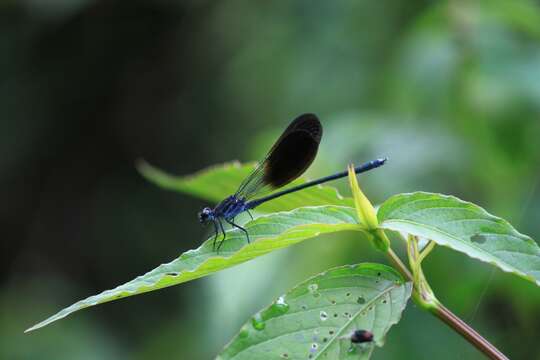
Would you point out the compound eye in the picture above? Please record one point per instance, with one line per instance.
(202, 216)
(205, 215)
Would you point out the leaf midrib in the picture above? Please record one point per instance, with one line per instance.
(366, 305)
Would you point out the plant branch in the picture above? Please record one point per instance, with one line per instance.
(467, 332)
(426, 251)
(440, 311)
(400, 266)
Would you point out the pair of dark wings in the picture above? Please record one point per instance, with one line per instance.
(290, 156)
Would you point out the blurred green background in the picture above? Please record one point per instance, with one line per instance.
(449, 90)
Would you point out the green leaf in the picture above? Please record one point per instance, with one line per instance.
(267, 233)
(366, 213)
(364, 208)
(315, 319)
(217, 182)
(464, 227)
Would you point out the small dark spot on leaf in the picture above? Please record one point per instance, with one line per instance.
(331, 332)
(384, 301)
(324, 339)
(360, 300)
(333, 302)
(361, 336)
(348, 294)
(478, 238)
(335, 314)
(378, 274)
(172, 274)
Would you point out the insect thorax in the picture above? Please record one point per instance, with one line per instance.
(230, 207)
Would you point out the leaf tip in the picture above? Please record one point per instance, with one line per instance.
(143, 167)
(32, 328)
(140, 164)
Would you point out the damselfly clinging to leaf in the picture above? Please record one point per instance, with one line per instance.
(290, 156)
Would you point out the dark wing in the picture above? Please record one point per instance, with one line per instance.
(290, 156)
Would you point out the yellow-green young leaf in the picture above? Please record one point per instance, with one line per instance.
(316, 318)
(364, 208)
(217, 182)
(464, 227)
(267, 233)
(366, 213)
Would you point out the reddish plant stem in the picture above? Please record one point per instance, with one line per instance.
(467, 332)
(440, 311)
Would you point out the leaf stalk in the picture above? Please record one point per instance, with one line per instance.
(422, 295)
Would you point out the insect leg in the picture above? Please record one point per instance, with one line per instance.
(249, 213)
(238, 227)
(215, 236)
(224, 235)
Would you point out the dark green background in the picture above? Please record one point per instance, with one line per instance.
(449, 90)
